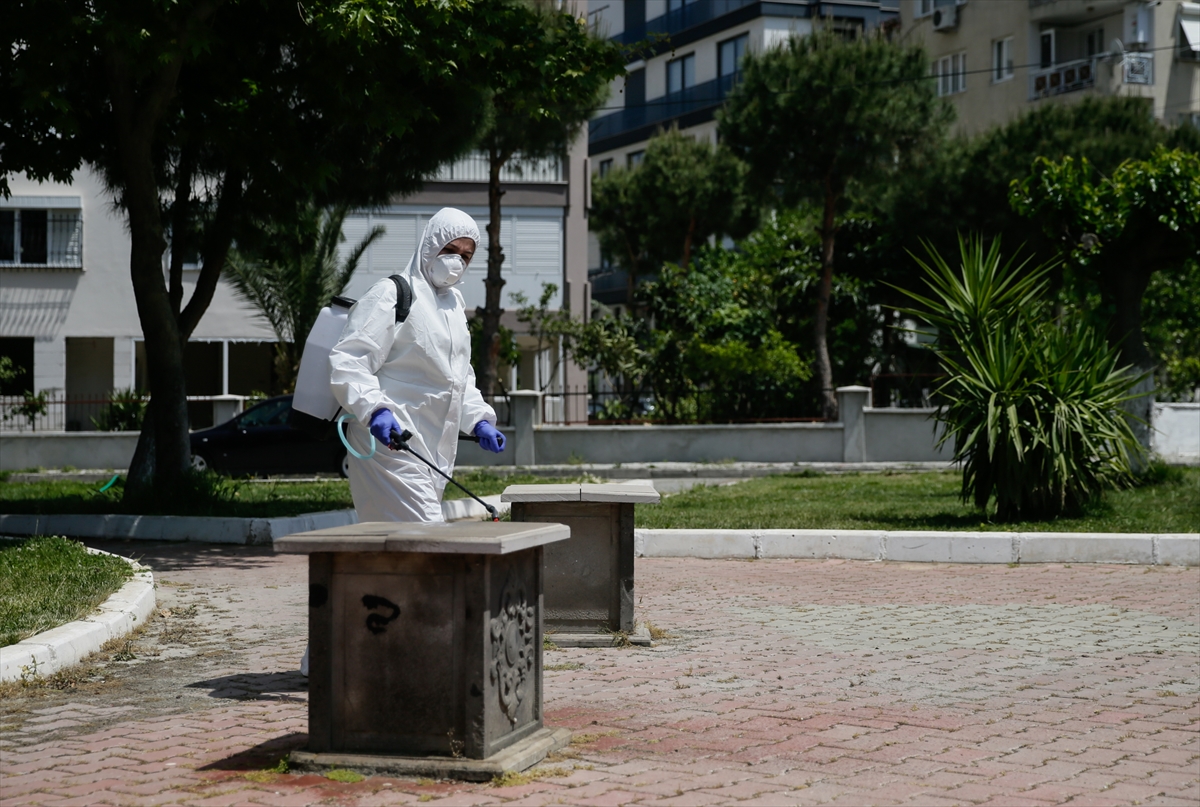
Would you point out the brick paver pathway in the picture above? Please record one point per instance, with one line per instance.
(783, 682)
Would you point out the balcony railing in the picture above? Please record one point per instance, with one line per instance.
(1063, 78)
(664, 108)
(474, 168)
(691, 14)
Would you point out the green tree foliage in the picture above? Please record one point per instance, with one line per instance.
(821, 115)
(1116, 231)
(784, 255)
(1171, 325)
(713, 354)
(1032, 404)
(546, 77)
(202, 115)
(684, 192)
(718, 351)
(963, 186)
(293, 272)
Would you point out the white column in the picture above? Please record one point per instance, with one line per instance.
(50, 364)
(225, 367)
(851, 403)
(123, 359)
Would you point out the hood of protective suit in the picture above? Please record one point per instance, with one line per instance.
(446, 225)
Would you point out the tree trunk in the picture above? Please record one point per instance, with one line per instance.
(136, 112)
(1122, 287)
(829, 408)
(491, 311)
(687, 244)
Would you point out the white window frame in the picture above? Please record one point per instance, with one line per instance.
(1189, 32)
(61, 217)
(1049, 32)
(950, 73)
(1002, 60)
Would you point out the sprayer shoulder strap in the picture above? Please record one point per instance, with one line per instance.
(404, 297)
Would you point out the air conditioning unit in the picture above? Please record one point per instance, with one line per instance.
(945, 18)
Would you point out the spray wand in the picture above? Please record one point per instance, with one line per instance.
(399, 442)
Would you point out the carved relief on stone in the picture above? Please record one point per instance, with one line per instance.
(513, 647)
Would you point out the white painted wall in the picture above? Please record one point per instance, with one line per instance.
(98, 300)
(1176, 433)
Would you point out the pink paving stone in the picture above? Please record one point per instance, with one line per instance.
(789, 690)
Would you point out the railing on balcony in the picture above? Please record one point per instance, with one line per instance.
(689, 15)
(1063, 78)
(664, 108)
(474, 168)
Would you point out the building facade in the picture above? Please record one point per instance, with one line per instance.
(691, 63)
(995, 59)
(68, 318)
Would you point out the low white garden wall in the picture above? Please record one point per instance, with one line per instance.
(21, 450)
(1176, 433)
(863, 435)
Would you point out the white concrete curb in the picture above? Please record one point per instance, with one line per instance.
(924, 547)
(174, 528)
(69, 644)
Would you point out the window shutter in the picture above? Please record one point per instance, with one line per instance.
(539, 246)
(354, 227)
(391, 251)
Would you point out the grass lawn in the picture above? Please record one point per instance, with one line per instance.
(225, 497)
(49, 581)
(924, 501)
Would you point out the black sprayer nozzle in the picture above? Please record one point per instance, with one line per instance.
(399, 442)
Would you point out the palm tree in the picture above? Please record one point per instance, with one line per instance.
(294, 276)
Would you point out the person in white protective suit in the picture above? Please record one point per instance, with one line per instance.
(413, 375)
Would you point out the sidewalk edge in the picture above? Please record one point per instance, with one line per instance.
(52, 650)
(929, 546)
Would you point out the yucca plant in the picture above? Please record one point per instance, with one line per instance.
(1031, 405)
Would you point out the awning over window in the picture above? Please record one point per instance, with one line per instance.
(1189, 22)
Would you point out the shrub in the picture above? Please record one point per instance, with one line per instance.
(124, 413)
(1032, 404)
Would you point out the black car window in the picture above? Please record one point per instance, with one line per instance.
(269, 413)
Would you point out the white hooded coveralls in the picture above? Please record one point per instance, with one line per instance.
(421, 370)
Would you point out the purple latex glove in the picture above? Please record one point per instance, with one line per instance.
(382, 424)
(489, 439)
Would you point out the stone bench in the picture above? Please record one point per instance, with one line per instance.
(589, 578)
(426, 648)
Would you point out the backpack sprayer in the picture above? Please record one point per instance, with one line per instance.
(399, 442)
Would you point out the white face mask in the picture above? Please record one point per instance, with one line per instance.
(446, 270)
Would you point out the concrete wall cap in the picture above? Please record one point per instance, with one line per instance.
(540, 493)
(620, 493)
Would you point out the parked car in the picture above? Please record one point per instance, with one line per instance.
(259, 441)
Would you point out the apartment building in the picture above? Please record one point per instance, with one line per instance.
(68, 317)
(691, 65)
(995, 59)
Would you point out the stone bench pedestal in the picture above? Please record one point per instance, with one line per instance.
(589, 578)
(426, 648)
